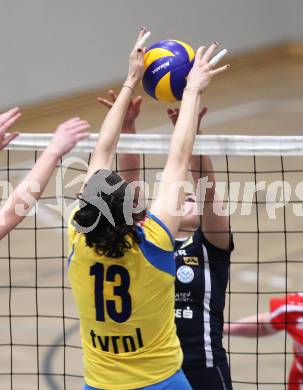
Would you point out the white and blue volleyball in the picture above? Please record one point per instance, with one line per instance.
(167, 64)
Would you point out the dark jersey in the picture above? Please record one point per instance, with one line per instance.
(201, 281)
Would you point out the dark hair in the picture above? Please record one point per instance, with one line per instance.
(107, 239)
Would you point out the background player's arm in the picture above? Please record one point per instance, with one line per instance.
(129, 164)
(23, 198)
(182, 140)
(104, 153)
(252, 326)
(214, 225)
(8, 119)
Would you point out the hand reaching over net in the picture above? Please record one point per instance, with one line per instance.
(7, 120)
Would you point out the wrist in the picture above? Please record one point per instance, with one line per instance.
(131, 82)
(52, 152)
(193, 89)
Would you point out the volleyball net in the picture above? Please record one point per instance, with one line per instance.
(260, 181)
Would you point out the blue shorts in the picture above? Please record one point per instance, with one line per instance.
(176, 382)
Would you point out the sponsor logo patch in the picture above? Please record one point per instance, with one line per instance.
(184, 297)
(191, 260)
(185, 274)
(185, 313)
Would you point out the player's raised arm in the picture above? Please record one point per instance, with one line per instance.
(214, 224)
(252, 326)
(129, 164)
(104, 153)
(23, 198)
(170, 197)
(8, 119)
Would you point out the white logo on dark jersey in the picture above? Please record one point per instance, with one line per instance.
(184, 297)
(188, 313)
(185, 274)
(185, 313)
(182, 252)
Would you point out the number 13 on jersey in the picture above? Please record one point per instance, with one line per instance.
(121, 291)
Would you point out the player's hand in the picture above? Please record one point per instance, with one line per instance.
(136, 59)
(133, 110)
(173, 115)
(7, 119)
(67, 135)
(202, 71)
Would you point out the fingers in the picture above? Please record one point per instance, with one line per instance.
(78, 132)
(9, 114)
(199, 54)
(220, 70)
(217, 58)
(209, 52)
(137, 101)
(136, 58)
(203, 112)
(75, 122)
(79, 126)
(8, 139)
(113, 95)
(82, 135)
(70, 121)
(68, 134)
(201, 115)
(8, 123)
(206, 58)
(105, 102)
(169, 112)
(173, 114)
(73, 125)
(8, 119)
(174, 111)
(142, 39)
(142, 31)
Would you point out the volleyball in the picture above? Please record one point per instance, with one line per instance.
(167, 64)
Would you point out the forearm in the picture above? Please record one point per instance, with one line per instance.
(202, 167)
(24, 197)
(252, 326)
(104, 154)
(129, 164)
(215, 222)
(184, 134)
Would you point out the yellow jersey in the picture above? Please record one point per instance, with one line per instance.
(126, 309)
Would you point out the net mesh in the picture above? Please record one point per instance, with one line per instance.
(39, 338)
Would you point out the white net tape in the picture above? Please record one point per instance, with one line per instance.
(235, 145)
